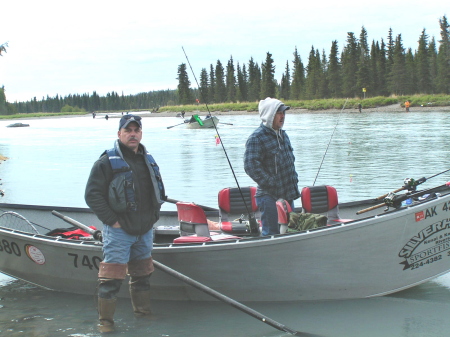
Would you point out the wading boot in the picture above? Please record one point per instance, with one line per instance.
(110, 278)
(141, 302)
(140, 272)
(106, 309)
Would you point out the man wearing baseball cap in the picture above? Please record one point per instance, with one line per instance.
(125, 191)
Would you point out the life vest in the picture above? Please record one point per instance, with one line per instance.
(74, 233)
(121, 189)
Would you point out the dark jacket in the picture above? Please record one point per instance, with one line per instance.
(97, 188)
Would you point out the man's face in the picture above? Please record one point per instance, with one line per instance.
(278, 120)
(130, 136)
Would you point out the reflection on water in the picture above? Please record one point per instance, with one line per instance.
(422, 311)
(369, 155)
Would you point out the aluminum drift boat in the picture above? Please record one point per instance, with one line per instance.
(377, 253)
(197, 123)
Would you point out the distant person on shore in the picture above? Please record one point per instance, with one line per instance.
(106, 117)
(407, 104)
(269, 161)
(359, 107)
(125, 191)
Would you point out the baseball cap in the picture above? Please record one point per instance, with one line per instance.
(283, 108)
(127, 119)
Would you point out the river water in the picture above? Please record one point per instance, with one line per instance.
(363, 155)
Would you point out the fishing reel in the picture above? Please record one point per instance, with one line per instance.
(410, 184)
(251, 223)
(392, 200)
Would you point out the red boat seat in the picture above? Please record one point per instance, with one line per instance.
(322, 199)
(192, 219)
(231, 206)
(194, 225)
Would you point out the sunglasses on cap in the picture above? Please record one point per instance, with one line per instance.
(127, 119)
(136, 118)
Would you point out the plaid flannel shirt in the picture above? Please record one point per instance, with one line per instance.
(270, 163)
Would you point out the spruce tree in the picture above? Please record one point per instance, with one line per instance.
(422, 61)
(313, 75)
(298, 77)
(443, 58)
(363, 77)
(382, 70)
(231, 82)
(349, 61)
(204, 86)
(374, 71)
(285, 85)
(220, 93)
(212, 84)
(184, 91)
(433, 56)
(3, 109)
(323, 76)
(268, 84)
(410, 73)
(334, 72)
(397, 76)
(242, 91)
(390, 50)
(254, 81)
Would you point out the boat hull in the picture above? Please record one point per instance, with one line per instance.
(380, 253)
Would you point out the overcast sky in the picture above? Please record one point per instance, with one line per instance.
(62, 47)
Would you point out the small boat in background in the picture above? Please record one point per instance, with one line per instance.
(197, 123)
(17, 125)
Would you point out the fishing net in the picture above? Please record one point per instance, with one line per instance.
(13, 220)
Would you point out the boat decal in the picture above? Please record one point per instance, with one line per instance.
(80, 261)
(35, 254)
(428, 213)
(431, 244)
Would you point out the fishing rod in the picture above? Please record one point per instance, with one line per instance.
(410, 184)
(330, 141)
(254, 227)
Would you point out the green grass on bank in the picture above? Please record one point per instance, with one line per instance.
(316, 105)
(322, 104)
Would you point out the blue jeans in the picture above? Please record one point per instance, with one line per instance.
(269, 214)
(121, 247)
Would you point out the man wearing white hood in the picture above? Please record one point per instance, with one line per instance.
(269, 161)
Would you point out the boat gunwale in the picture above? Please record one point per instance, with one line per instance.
(233, 242)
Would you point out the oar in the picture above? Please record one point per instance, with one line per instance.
(228, 300)
(202, 287)
(96, 234)
(205, 208)
(169, 127)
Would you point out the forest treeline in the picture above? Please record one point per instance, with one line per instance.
(361, 69)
